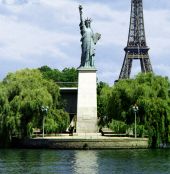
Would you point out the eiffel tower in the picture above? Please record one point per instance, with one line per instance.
(136, 46)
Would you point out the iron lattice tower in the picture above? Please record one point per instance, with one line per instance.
(136, 46)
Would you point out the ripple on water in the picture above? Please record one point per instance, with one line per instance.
(84, 162)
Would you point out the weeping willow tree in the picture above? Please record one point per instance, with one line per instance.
(151, 94)
(22, 95)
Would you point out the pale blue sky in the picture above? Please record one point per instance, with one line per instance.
(34, 33)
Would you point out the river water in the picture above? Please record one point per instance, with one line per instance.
(24, 161)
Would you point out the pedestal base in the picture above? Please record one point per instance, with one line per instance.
(87, 101)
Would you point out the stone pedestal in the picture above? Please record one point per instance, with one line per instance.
(87, 101)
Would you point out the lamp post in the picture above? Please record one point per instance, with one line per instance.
(44, 110)
(135, 109)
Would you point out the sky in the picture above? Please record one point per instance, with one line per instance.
(34, 33)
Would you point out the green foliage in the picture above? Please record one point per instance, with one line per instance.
(54, 121)
(118, 126)
(22, 94)
(151, 94)
(103, 93)
(62, 78)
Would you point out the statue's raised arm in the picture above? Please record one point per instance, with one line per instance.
(81, 13)
(89, 40)
(82, 26)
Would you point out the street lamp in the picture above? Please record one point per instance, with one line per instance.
(44, 110)
(135, 109)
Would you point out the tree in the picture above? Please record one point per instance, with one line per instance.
(22, 95)
(150, 93)
(103, 93)
(62, 78)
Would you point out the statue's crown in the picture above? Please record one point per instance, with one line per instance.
(88, 20)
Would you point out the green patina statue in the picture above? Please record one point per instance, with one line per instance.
(89, 40)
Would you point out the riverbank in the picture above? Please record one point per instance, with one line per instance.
(83, 141)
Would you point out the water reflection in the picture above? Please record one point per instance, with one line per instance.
(86, 162)
(35, 161)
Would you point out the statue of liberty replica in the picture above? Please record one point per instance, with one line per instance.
(87, 81)
(89, 40)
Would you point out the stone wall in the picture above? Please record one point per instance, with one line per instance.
(116, 143)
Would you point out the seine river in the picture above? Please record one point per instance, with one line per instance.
(15, 161)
